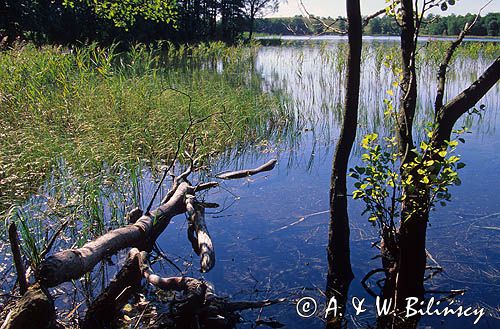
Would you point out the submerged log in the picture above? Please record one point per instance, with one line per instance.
(248, 172)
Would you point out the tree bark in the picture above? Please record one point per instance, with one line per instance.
(105, 309)
(409, 83)
(18, 260)
(339, 262)
(35, 310)
(73, 263)
(459, 105)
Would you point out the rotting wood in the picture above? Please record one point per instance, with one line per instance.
(104, 311)
(248, 172)
(205, 248)
(35, 310)
(18, 260)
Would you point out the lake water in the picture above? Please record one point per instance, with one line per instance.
(271, 242)
(271, 235)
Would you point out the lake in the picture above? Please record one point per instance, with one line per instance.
(271, 242)
(271, 231)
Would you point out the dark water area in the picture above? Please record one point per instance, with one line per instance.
(271, 234)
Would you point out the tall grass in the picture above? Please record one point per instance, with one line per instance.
(93, 106)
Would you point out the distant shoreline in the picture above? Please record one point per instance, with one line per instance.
(373, 37)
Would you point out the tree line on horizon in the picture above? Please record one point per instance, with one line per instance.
(110, 21)
(488, 25)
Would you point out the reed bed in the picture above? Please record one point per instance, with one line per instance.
(93, 107)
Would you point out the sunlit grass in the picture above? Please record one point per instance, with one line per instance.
(91, 107)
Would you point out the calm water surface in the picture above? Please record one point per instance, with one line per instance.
(271, 241)
(271, 236)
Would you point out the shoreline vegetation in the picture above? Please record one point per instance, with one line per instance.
(94, 107)
(438, 37)
(433, 25)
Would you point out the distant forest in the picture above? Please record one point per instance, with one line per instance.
(488, 25)
(130, 21)
(108, 21)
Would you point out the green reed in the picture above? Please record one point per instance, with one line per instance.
(94, 106)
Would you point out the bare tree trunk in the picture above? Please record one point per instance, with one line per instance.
(339, 263)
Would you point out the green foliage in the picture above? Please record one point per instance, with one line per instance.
(386, 25)
(383, 184)
(94, 107)
(125, 12)
(128, 21)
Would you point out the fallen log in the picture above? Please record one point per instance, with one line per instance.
(248, 172)
(73, 263)
(36, 309)
(202, 308)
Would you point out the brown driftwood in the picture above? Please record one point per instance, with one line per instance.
(248, 172)
(179, 283)
(35, 310)
(73, 263)
(106, 308)
(201, 307)
(18, 260)
(205, 248)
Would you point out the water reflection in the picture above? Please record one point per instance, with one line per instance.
(271, 237)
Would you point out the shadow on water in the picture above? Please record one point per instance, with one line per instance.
(270, 232)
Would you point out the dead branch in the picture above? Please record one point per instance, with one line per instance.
(18, 260)
(141, 233)
(205, 248)
(248, 172)
(367, 276)
(438, 104)
(73, 263)
(105, 309)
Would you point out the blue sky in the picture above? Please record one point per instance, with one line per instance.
(336, 8)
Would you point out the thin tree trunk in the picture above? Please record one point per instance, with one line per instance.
(339, 263)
